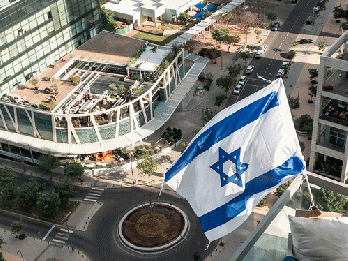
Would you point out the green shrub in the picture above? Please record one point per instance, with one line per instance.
(294, 103)
(280, 190)
(305, 123)
(219, 100)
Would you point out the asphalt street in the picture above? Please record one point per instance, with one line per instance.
(100, 242)
(279, 43)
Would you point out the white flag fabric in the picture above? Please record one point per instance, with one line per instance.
(241, 155)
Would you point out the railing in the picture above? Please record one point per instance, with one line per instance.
(298, 186)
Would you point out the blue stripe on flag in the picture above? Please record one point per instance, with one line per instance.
(237, 205)
(223, 129)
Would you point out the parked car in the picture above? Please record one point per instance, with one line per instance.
(280, 73)
(275, 26)
(249, 69)
(259, 54)
(237, 89)
(316, 9)
(309, 20)
(303, 41)
(285, 65)
(263, 47)
(242, 80)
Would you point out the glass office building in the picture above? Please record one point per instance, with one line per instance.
(36, 33)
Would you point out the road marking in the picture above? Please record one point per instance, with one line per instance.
(67, 231)
(49, 231)
(61, 237)
(92, 197)
(98, 189)
(93, 194)
(87, 199)
(58, 241)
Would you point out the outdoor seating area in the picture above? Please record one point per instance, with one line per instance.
(336, 111)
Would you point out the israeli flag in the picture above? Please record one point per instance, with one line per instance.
(241, 155)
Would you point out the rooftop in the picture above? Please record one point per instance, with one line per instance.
(106, 52)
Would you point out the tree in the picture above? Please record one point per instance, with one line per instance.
(49, 204)
(2, 257)
(321, 45)
(232, 39)
(226, 82)
(330, 201)
(220, 35)
(245, 21)
(17, 226)
(8, 184)
(108, 21)
(29, 194)
(305, 123)
(245, 55)
(148, 166)
(73, 169)
(272, 16)
(184, 18)
(65, 190)
(206, 14)
(47, 163)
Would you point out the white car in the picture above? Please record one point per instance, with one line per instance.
(242, 80)
(237, 89)
(280, 73)
(259, 54)
(249, 69)
(263, 47)
(285, 65)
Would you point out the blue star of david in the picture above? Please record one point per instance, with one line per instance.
(240, 167)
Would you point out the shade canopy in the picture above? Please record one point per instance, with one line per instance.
(210, 8)
(200, 6)
(199, 15)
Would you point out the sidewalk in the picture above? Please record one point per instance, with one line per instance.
(32, 249)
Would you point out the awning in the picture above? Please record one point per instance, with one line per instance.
(210, 8)
(199, 15)
(200, 6)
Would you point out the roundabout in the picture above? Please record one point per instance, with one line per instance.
(153, 228)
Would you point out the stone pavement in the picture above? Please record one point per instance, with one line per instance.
(32, 249)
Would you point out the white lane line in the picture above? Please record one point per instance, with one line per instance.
(87, 199)
(61, 237)
(58, 241)
(49, 231)
(93, 194)
(98, 189)
(67, 231)
(92, 197)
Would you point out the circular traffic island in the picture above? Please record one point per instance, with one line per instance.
(153, 227)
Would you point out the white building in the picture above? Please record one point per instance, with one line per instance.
(140, 11)
(329, 148)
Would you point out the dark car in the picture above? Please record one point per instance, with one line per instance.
(303, 41)
(309, 20)
(275, 26)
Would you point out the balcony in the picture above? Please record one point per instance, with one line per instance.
(336, 84)
(326, 143)
(335, 112)
(270, 240)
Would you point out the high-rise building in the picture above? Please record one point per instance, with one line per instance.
(35, 33)
(329, 148)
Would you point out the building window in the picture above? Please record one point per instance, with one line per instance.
(337, 138)
(49, 15)
(20, 32)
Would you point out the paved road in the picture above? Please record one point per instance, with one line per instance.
(279, 43)
(101, 243)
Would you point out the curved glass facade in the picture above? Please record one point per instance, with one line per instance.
(94, 126)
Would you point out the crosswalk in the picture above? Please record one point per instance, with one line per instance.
(62, 236)
(94, 194)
